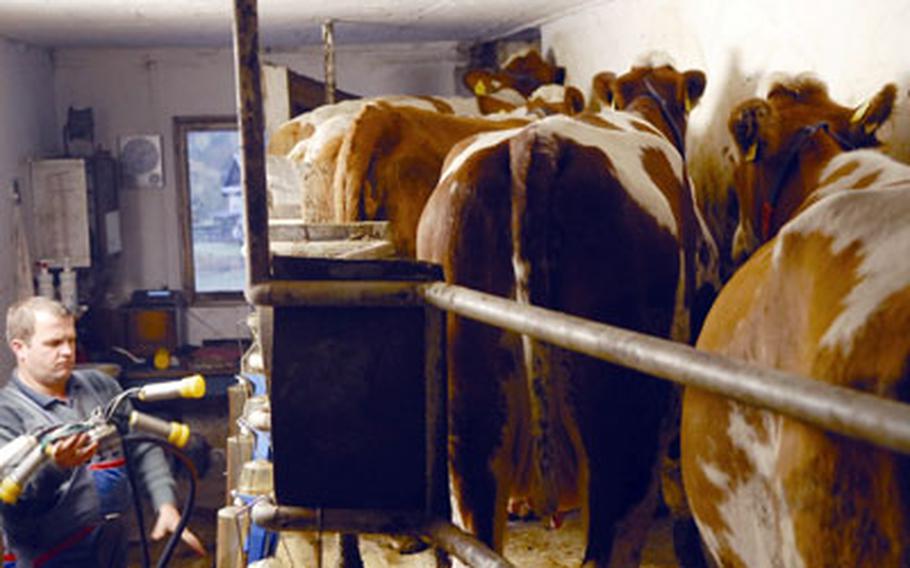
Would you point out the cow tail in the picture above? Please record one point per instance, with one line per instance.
(354, 194)
(532, 163)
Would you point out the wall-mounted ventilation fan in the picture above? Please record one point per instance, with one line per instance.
(140, 161)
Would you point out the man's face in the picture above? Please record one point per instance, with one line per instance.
(49, 356)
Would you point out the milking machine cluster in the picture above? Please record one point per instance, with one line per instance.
(116, 427)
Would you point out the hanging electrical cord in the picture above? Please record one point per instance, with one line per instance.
(137, 502)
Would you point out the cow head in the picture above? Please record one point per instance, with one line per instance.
(547, 100)
(784, 141)
(661, 94)
(524, 73)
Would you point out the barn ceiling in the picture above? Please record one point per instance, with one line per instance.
(283, 23)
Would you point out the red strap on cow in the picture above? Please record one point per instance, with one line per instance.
(766, 212)
(62, 547)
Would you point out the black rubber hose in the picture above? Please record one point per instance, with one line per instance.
(190, 497)
(137, 503)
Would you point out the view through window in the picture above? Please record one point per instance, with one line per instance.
(214, 201)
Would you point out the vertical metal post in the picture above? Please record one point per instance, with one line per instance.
(249, 112)
(328, 47)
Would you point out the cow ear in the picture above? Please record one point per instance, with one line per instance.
(559, 75)
(746, 124)
(604, 89)
(869, 116)
(574, 100)
(694, 87)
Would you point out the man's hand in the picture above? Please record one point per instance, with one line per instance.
(73, 450)
(168, 519)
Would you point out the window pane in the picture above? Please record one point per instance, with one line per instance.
(216, 205)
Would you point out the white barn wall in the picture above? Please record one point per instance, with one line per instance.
(416, 69)
(29, 129)
(854, 47)
(140, 92)
(136, 91)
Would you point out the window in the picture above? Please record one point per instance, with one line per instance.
(211, 206)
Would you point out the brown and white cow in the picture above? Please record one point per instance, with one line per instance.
(307, 146)
(593, 216)
(827, 296)
(802, 101)
(379, 160)
(389, 162)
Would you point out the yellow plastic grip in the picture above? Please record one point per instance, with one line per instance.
(180, 434)
(192, 386)
(10, 491)
(175, 432)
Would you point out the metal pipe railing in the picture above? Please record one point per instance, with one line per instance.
(463, 545)
(441, 534)
(845, 411)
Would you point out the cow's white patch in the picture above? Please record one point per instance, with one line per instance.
(680, 329)
(510, 96)
(522, 270)
(715, 475)
(870, 162)
(551, 93)
(755, 511)
(624, 149)
(457, 518)
(481, 142)
(523, 52)
(877, 220)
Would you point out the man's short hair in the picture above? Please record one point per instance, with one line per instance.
(20, 317)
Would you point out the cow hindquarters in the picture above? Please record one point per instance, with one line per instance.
(583, 246)
(487, 438)
(488, 427)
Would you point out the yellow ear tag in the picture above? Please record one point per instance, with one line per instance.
(859, 112)
(480, 89)
(752, 152)
(688, 104)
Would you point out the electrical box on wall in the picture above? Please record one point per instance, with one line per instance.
(60, 212)
(75, 210)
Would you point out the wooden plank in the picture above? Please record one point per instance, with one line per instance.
(295, 230)
(249, 112)
(335, 249)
